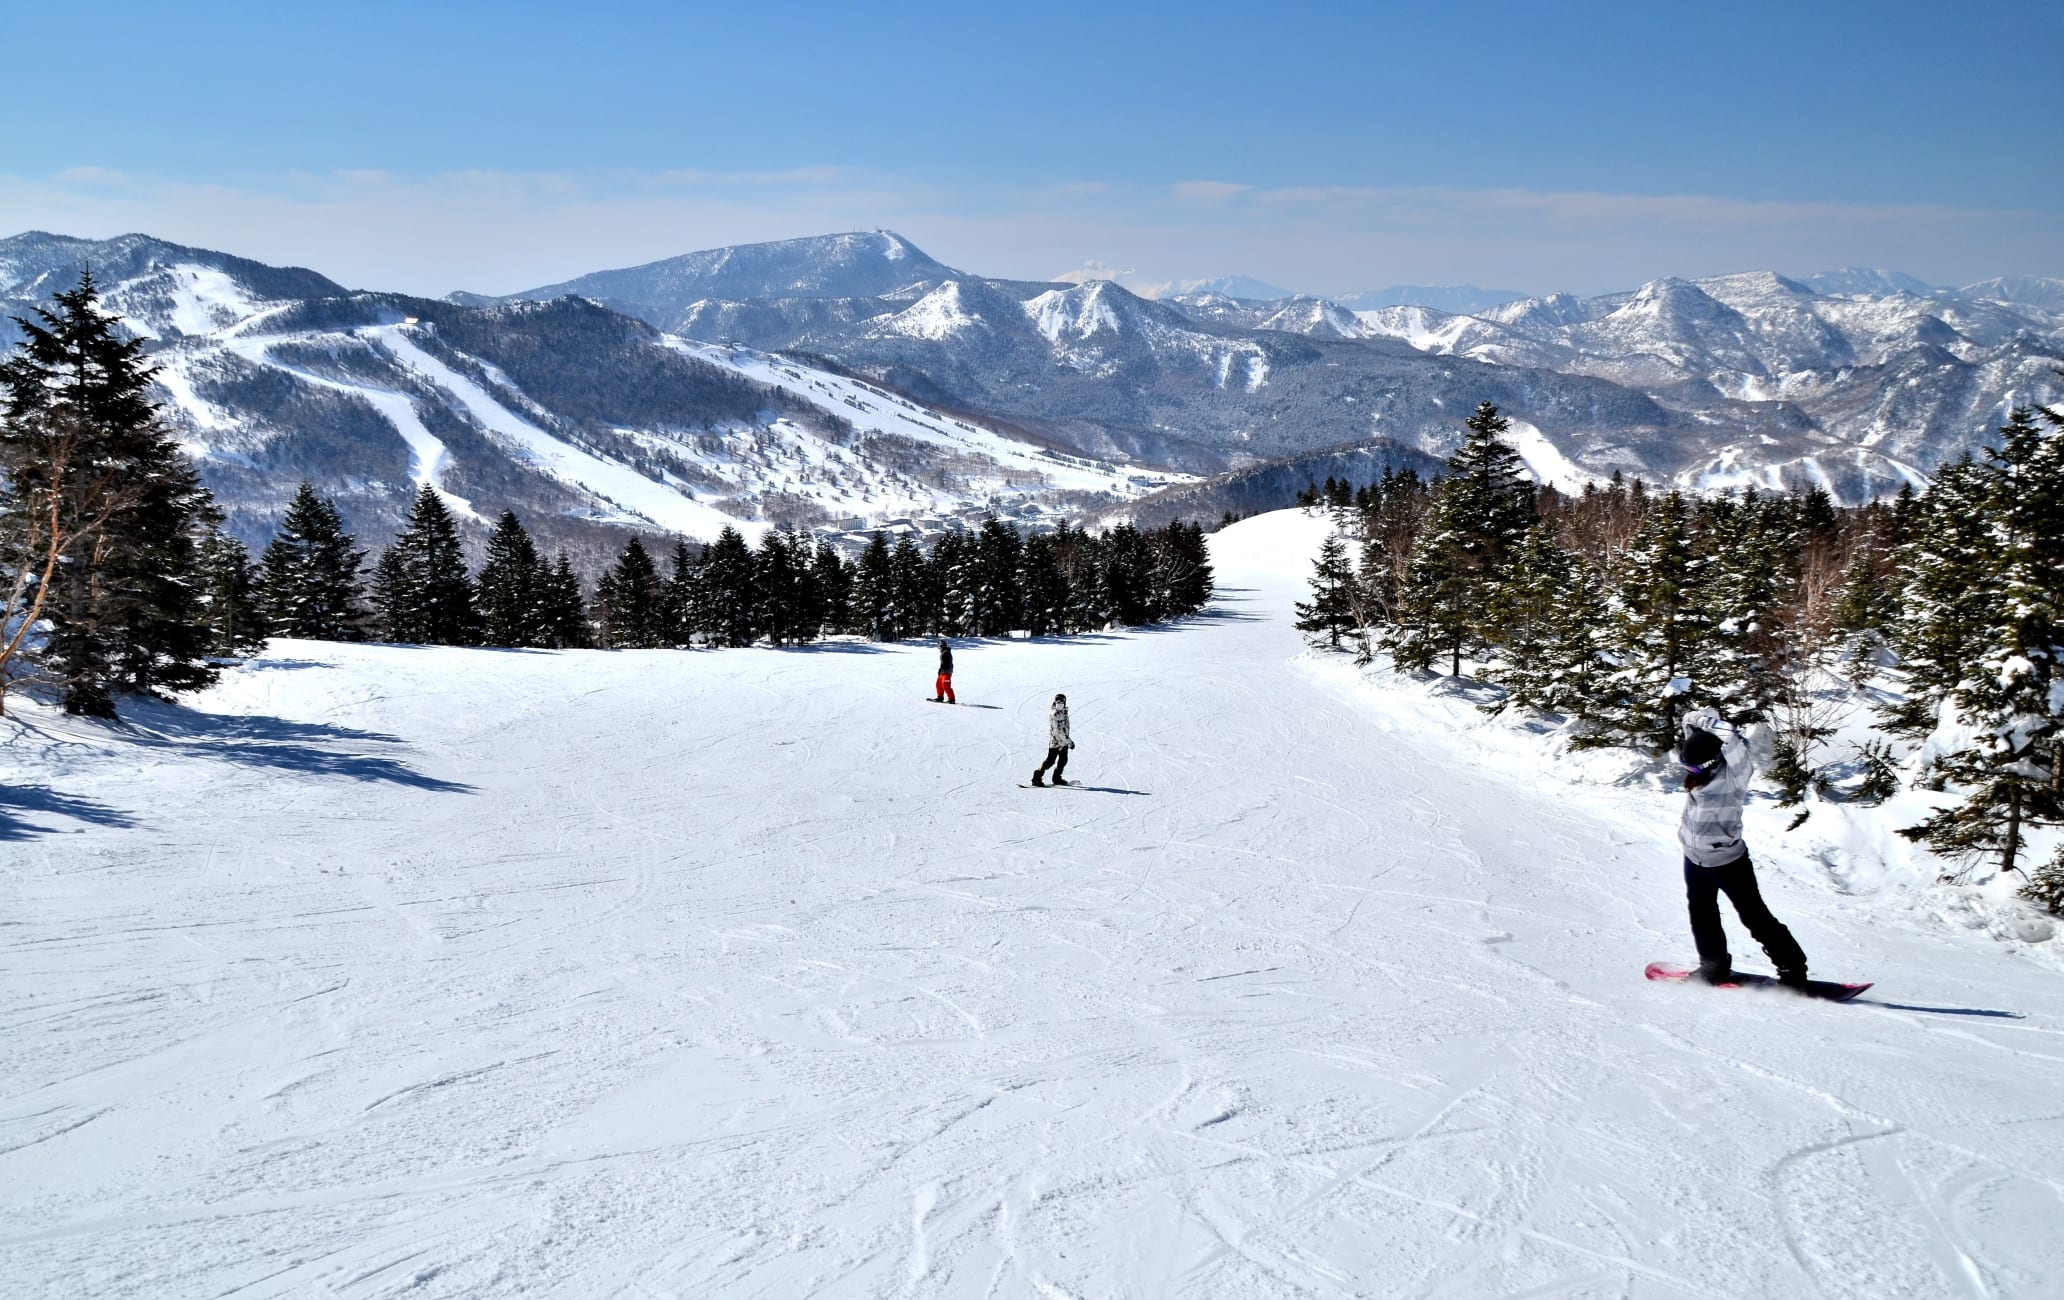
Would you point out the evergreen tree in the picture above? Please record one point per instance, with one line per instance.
(424, 592)
(1330, 614)
(236, 627)
(512, 588)
(310, 584)
(995, 599)
(102, 515)
(629, 606)
(917, 593)
(1949, 563)
(1043, 587)
(831, 579)
(1658, 629)
(1553, 616)
(953, 569)
(778, 588)
(2011, 695)
(1127, 565)
(681, 600)
(566, 609)
(731, 603)
(874, 591)
(1481, 512)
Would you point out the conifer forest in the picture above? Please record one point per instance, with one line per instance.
(1937, 614)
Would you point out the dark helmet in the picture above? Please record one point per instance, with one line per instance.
(1700, 755)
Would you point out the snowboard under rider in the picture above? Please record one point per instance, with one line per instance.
(1058, 743)
(1717, 768)
(942, 689)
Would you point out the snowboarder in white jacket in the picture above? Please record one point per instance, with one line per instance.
(1058, 743)
(1717, 769)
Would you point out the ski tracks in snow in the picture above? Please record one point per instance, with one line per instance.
(748, 972)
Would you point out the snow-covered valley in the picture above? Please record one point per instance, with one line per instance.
(384, 970)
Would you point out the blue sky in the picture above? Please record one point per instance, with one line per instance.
(1327, 147)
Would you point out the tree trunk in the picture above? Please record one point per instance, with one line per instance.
(2013, 845)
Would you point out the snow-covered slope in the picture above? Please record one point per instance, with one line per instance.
(587, 423)
(855, 265)
(448, 972)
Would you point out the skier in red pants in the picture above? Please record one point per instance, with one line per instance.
(942, 689)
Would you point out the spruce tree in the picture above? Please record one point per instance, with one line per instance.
(831, 579)
(236, 627)
(874, 591)
(512, 588)
(1658, 630)
(566, 609)
(1949, 566)
(910, 613)
(1330, 613)
(953, 567)
(102, 514)
(731, 602)
(1042, 586)
(681, 600)
(309, 584)
(778, 589)
(424, 592)
(1127, 565)
(2011, 696)
(629, 605)
(1482, 509)
(995, 599)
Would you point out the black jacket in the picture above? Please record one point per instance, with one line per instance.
(946, 660)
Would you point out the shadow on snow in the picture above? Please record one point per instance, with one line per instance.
(316, 748)
(18, 799)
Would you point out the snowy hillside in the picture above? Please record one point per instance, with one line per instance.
(586, 422)
(1862, 383)
(452, 972)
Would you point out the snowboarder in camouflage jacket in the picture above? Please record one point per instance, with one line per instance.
(1058, 743)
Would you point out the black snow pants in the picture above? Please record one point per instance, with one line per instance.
(1057, 759)
(1703, 887)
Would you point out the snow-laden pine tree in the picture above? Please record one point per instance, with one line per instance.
(1658, 627)
(995, 598)
(566, 608)
(1554, 619)
(912, 611)
(1481, 511)
(679, 601)
(778, 587)
(1948, 568)
(1331, 613)
(874, 591)
(1043, 587)
(952, 564)
(2010, 696)
(310, 583)
(1127, 565)
(424, 593)
(229, 597)
(512, 581)
(101, 514)
(628, 604)
(832, 580)
(730, 593)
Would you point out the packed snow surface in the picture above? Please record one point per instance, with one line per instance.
(434, 972)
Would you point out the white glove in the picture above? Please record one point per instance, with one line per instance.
(1701, 720)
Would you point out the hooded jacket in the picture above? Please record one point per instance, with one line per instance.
(1057, 727)
(1711, 832)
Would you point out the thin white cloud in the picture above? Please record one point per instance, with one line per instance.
(1208, 191)
(497, 231)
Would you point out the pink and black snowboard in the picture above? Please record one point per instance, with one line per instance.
(1827, 990)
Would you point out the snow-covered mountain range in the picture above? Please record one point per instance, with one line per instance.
(587, 421)
(849, 380)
